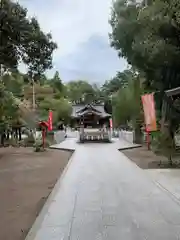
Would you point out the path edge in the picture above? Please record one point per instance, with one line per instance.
(130, 147)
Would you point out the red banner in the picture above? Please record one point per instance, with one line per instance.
(149, 112)
(50, 127)
(110, 123)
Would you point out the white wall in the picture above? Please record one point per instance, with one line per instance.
(59, 136)
(126, 135)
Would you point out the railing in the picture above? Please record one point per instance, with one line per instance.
(94, 134)
(129, 136)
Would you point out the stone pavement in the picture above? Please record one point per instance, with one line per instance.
(168, 179)
(104, 196)
(71, 144)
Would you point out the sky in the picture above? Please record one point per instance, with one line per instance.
(80, 28)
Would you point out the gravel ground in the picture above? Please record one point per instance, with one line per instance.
(26, 180)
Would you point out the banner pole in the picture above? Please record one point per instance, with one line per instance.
(148, 139)
(43, 137)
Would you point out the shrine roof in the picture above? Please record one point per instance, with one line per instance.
(81, 109)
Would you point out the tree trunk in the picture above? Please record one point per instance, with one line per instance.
(16, 133)
(3, 137)
(20, 134)
(170, 160)
(7, 135)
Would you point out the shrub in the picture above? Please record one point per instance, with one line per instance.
(29, 141)
(163, 144)
(13, 142)
(38, 145)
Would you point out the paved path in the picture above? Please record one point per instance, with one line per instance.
(104, 196)
(168, 179)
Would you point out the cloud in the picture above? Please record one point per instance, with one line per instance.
(93, 60)
(80, 28)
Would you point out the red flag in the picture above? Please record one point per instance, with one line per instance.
(149, 112)
(110, 123)
(50, 127)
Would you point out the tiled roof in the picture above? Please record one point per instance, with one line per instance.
(76, 110)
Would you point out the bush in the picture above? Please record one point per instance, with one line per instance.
(155, 142)
(50, 138)
(13, 142)
(38, 145)
(163, 144)
(29, 141)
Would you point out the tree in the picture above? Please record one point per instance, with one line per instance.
(148, 38)
(9, 112)
(112, 87)
(21, 39)
(14, 83)
(127, 108)
(81, 92)
(42, 79)
(61, 109)
(119, 81)
(24, 40)
(38, 50)
(124, 28)
(11, 14)
(57, 85)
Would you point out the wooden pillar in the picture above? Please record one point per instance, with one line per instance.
(16, 133)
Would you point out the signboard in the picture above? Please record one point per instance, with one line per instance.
(149, 112)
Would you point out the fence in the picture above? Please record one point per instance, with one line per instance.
(59, 136)
(126, 135)
(129, 136)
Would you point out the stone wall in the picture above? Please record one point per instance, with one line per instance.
(126, 135)
(59, 136)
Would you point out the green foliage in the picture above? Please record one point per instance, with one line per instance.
(21, 40)
(60, 107)
(38, 145)
(12, 14)
(38, 54)
(127, 103)
(148, 38)
(13, 83)
(57, 84)
(119, 81)
(8, 108)
(16, 101)
(24, 40)
(81, 92)
(127, 106)
(146, 34)
(29, 141)
(163, 144)
(13, 142)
